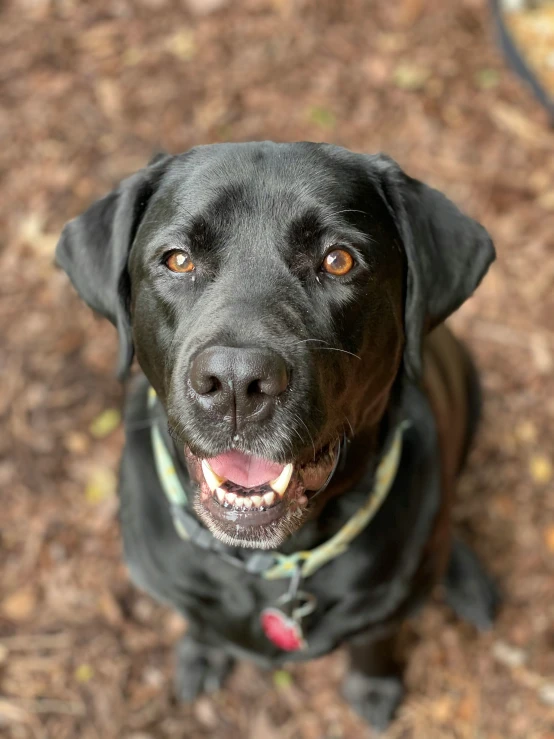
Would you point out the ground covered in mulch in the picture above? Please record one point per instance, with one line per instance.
(89, 91)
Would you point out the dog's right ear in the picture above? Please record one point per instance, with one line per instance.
(94, 250)
(447, 253)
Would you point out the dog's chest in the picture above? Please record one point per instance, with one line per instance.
(226, 605)
(362, 587)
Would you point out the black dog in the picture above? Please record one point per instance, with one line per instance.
(280, 299)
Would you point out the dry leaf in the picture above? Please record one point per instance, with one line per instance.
(541, 353)
(540, 468)
(515, 121)
(84, 673)
(101, 485)
(487, 78)
(31, 232)
(546, 694)
(182, 45)
(19, 606)
(508, 655)
(174, 625)
(282, 679)
(322, 117)
(204, 7)
(108, 93)
(526, 432)
(410, 77)
(546, 200)
(205, 712)
(110, 609)
(77, 442)
(105, 423)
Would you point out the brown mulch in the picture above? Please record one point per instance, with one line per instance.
(89, 91)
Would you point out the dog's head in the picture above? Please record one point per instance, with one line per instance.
(272, 294)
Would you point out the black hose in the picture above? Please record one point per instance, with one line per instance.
(517, 61)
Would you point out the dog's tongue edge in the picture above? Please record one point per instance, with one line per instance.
(244, 469)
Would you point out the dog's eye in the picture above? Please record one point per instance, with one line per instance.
(178, 261)
(338, 262)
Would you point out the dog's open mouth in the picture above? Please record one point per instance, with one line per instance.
(246, 500)
(243, 483)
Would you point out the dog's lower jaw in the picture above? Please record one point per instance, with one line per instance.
(265, 536)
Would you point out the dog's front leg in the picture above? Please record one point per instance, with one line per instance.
(373, 685)
(200, 668)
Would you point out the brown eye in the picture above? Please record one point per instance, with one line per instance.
(180, 262)
(338, 262)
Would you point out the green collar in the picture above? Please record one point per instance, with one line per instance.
(274, 565)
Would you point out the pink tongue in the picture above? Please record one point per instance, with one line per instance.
(245, 470)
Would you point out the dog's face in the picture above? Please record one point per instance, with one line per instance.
(267, 312)
(266, 290)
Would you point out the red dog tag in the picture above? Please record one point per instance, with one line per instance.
(281, 622)
(283, 631)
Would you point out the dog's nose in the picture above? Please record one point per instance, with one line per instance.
(239, 383)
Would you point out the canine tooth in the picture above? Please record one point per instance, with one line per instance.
(269, 499)
(230, 498)
(247, 503)
(239, 502)
(256, 500)
(213, 480)
(220, 494)
(281, 483)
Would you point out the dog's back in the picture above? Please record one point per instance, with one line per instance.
(451, 383)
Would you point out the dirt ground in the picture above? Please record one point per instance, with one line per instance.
(89, 91)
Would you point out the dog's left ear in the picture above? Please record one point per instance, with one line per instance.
(94, 249)
(447, 253)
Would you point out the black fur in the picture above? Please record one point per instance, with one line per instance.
(257, 220)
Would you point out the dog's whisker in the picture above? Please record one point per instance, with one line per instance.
(334, 349)
(347, 210)
(138, 425)
(298, 418)
(328, 348)
(350, 425)
(305, 341)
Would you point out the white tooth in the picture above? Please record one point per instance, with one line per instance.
(256, 500)
(230, 497)
(247, 503)
(239, 502)
(220, 494)
(269, 499)
(281, 483)
(213, 480)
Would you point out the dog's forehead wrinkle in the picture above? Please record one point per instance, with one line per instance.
(209, 170)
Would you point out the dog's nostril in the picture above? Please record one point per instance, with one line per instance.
(215, 386)
(254, 388)
(276, 381)
(202, 380)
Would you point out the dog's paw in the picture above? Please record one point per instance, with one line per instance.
(374, 698)
(200, 669)
(470, 591)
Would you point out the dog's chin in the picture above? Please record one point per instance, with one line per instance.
(260, 515)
